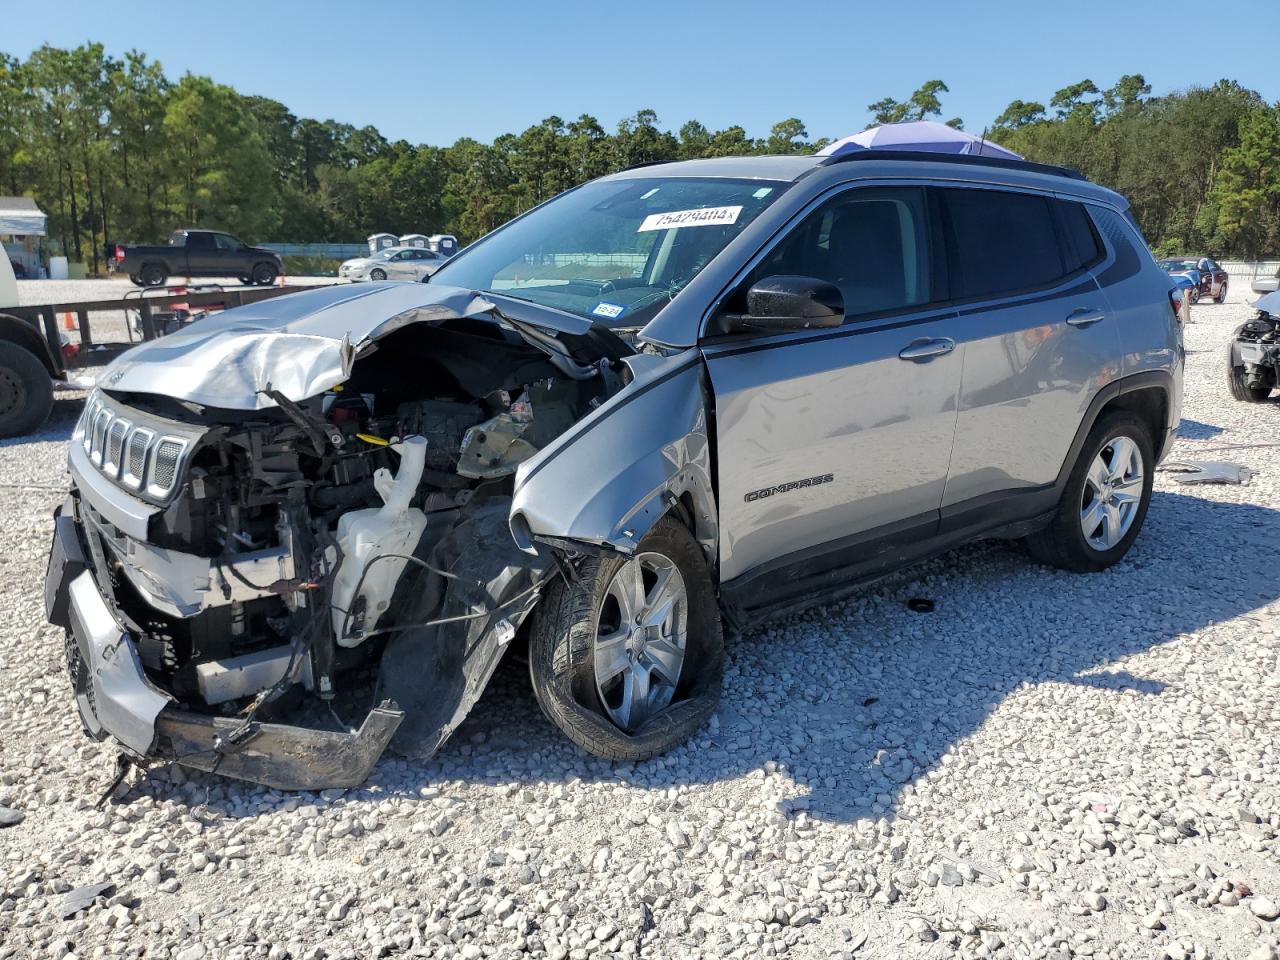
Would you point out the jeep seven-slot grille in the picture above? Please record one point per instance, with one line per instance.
(133, 456)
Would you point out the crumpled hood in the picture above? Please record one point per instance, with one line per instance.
(294, 342)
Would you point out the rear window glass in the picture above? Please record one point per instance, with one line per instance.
(1082, 241)
(1002, 242)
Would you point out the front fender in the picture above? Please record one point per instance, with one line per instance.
(608, 480)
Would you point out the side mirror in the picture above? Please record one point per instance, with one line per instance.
(782, 303)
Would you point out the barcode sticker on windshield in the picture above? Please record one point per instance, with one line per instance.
(703, 217)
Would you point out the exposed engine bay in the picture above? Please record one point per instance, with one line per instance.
(358, 537)
(1256, 349)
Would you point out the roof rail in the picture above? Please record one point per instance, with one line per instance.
(923, 156)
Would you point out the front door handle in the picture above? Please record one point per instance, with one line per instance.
(920, 351)
(1085, 317)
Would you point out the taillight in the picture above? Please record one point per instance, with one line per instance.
(119, 253)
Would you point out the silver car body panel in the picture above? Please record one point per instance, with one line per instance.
(866, 433)
(124, 701)
(294, 343)
(609, 479)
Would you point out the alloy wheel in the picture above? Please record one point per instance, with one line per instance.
(1112, 493)
(641, 635)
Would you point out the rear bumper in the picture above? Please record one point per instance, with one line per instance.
(116, 699)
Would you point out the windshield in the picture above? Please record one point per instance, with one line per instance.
(1173, 266)
(613, 251)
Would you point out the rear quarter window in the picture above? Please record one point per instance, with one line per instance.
(1080, 238)
(1001, 242)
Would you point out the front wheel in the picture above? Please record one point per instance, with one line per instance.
(264, 274)
(26, 393)
(377, 274)
(628, 660)
(1238, 383)
(1105, 500)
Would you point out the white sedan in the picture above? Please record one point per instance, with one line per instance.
(393, 263)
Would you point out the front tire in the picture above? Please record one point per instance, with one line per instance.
(376, 274)
(628, 660)
(1238, 383)
(26, 392)
(1105, 500)
(264, 274)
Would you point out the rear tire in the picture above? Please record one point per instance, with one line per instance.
(565, 648)
(1064, 543)
(153, 275)
(135, 279)
(26, 392)
(1222, 294)
(264, 274)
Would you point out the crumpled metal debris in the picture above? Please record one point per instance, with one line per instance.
(1207, 471)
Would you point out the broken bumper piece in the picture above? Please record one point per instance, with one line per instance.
(275, 755)
(116, 699)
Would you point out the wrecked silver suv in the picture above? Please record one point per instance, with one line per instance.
(676, 395)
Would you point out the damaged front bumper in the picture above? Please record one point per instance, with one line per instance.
(115, 699)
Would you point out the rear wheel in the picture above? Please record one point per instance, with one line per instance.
(26, 393)
(1222, 293)
(136, 279)
(628, 660)
(264, 274)
(153, 275)
(1105, 500)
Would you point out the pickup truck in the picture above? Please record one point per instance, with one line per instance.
(198, 253)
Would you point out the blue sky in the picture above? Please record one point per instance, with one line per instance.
(431, 71)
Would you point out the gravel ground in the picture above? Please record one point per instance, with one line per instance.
(1046, 766)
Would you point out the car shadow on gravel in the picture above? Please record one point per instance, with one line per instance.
(861, 698)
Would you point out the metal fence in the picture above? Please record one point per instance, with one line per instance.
(335, 251)
(1250, 269)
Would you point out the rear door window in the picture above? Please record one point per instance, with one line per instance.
(199, 241)
(1001, 242)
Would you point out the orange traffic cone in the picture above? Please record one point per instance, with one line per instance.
(68, 322)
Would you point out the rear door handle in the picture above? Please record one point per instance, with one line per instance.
(919, 351)
(1085, 317)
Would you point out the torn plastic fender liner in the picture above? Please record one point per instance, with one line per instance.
(613, 476)
(275, 755)
(437, 673)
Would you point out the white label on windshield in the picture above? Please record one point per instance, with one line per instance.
(609, 310)
(703, 217)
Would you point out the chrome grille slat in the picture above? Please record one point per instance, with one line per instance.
(138, 458)
(113, 449)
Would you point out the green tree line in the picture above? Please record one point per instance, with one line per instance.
(114, 150)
